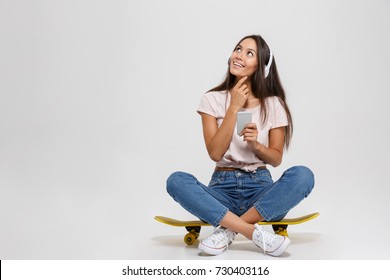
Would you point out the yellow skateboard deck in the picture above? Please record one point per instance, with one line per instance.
(193, 227)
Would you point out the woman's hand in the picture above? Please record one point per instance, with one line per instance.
(250, 133)
(239, 94)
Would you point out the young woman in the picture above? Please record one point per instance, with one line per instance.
(241, 191)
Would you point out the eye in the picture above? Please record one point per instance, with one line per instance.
(238, 49)
(250, 53)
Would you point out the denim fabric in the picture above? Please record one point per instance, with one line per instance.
(238, 191)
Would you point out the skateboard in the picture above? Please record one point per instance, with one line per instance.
(193, 227)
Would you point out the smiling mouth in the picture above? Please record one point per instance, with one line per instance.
(238, 64)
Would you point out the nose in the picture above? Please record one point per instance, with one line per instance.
(239, 56)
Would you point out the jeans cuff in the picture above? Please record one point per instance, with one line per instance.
(220, 217)
(262, 212)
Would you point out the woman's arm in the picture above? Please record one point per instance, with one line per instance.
(218, 140)
(272, 154)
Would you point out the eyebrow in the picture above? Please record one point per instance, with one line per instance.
(239, 45)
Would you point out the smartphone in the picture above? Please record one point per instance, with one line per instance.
(243, 118)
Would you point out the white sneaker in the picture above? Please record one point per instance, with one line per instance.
(218, 242)
(272, 244)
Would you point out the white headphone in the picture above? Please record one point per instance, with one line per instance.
(268, 66)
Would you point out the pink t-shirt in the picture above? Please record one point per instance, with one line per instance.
(238, 154)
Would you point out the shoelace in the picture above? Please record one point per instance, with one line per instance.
(264, 243)
(264, 233)
(219, 235)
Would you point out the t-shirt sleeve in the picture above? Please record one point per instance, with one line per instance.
(207, 105)
(279, 114)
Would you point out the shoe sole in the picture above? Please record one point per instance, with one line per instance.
(209, 250)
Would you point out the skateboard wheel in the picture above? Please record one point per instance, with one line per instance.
(190, 238)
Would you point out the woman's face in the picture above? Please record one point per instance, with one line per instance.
(243, 61)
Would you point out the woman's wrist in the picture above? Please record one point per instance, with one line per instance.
(258, 148)
(233, 110)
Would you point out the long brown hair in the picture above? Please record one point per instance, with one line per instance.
(262, 87)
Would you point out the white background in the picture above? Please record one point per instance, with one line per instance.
(97, 108)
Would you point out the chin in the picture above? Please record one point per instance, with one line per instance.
(238, 76)
(236, 73)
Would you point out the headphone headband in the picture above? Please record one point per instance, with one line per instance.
(268, 66)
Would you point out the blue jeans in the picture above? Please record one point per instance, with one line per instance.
(237, 191)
